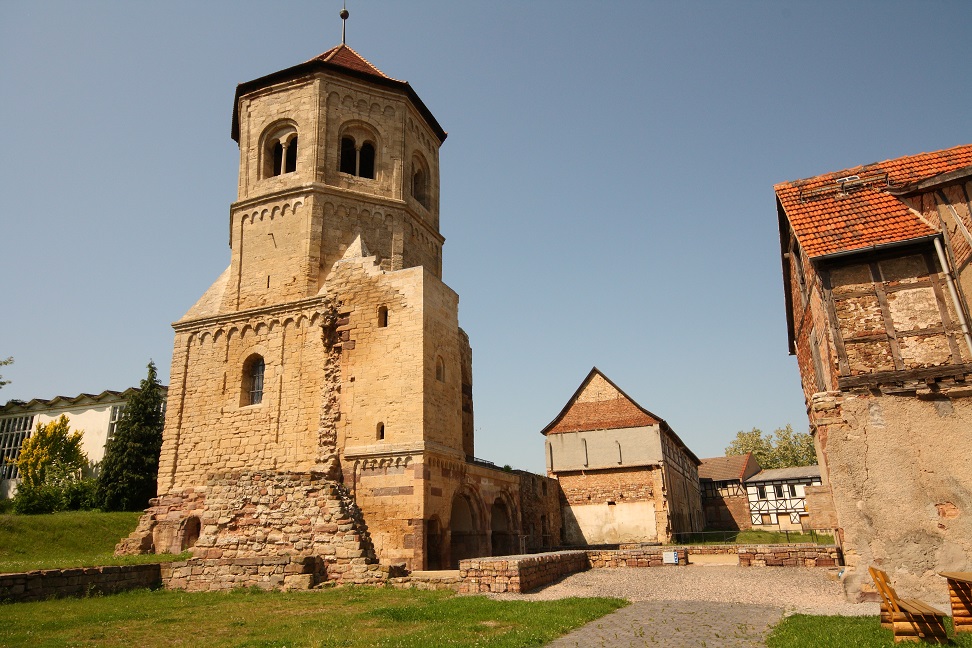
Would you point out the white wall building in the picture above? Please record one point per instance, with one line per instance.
(96, 415)
(777, 497)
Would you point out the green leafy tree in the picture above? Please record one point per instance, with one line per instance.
(51, 465)
(129, 472)
(782, 449)
(4, 363)
(52, 455)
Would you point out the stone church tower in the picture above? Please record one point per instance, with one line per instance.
(320, 402)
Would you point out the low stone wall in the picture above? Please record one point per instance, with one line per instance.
(793, 555)
(271, 573)
(57, 583)
(518, 573)
(644, 557)
(711, 550)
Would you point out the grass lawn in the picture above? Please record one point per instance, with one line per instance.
(754, 536)
(348, 616)
(805, 631)
(70, 539)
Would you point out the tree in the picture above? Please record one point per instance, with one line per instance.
(4, 363)
(782, 449)
(51, 455)
(51, 465)
(130, 469)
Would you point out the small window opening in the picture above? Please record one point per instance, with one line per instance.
(380, 431)
(349, 156)
(439, 369)
(366, 161)
(761, 492)
(584, 442)
(292, 156)
(420, 187)
(382, 316)
(253, 372)
(611, 503)
(278, 153)
(792, 490)
(778, 490)
(618, 443)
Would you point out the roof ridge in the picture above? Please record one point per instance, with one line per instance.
(329, 56)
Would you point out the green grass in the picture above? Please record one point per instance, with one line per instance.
(70, 539)
(349, 616)
(805, 631)
(754, 536)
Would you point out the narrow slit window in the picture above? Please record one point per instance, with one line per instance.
(584, 443)
(380, 431)
(382, 316)
(253, 372)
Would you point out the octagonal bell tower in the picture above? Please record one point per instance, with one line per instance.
(344, 150)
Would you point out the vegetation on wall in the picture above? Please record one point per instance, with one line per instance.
(129, 471)
(782, 449)
(51, 466)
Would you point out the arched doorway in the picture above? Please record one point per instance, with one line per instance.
(501, 529)
(463, 531)
(433, 545)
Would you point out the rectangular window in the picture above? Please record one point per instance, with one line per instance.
(778, 490)
(116, 414)
(13, 432)
(793, 490)
(761, 492)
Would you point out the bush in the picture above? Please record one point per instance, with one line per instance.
(51, 498)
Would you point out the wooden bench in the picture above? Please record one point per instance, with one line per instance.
(908, 619)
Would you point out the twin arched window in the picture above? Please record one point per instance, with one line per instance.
(357, 158)
(280, 152)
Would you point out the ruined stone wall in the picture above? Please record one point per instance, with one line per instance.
(208, 376)
(612, 506)
(726, 508)
(540, 502)
(466, 377)
(900, 469)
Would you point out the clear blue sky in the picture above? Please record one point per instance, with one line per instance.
(607, 183)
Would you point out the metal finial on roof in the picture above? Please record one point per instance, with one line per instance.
(344, 24)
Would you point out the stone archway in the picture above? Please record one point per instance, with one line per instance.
(502, 534)
(464, 530)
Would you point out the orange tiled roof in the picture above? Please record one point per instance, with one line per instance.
(345, 57)
(827, 218)
(733, 467)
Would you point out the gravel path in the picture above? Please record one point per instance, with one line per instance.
(697, 605)
(792, 589)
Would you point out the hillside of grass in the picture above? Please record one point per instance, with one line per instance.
(68, 539)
